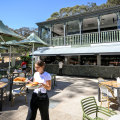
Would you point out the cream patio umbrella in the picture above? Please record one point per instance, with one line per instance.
(7, 34)
(3, 48)
(33, 40)
(10, 44)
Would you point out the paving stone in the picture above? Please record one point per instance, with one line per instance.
(64, 100)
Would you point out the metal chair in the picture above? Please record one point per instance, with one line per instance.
(108, 94)
(19, 92)
(90, 107)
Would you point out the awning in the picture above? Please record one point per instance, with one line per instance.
(103, 49)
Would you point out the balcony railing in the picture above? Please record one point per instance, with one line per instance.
(87, 38)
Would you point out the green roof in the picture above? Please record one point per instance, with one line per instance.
(6, 34)
(33, 38)
(12, 43)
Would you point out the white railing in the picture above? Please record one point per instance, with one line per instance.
(87, 38)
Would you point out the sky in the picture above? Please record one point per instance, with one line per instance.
(25, 13)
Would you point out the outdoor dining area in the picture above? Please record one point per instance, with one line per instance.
(14, 81)
(109, 94)
(17, 87)
(17, 84)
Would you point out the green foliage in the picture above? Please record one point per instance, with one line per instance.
(55, 14)
(113, 2)
(68, 11)
(51, 18)
(63, 12)
(16, 67)
(26, 59)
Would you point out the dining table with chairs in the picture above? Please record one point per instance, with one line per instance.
(113, 85)
(11, 78)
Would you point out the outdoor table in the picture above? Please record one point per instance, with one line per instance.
(2, 86)
(114, 85)
(11, 77)
(11, 84)
(115, 117)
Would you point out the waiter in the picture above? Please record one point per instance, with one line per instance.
(40, 98)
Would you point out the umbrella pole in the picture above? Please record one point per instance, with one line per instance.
(2, 38)
(32, 58)
(9, 58)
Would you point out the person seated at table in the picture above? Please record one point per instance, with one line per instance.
(23, 65)
(19, 70)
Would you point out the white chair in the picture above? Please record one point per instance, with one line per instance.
(19, 92)
(22, 74)
(4, 80)
(108, 94)
(101, 80)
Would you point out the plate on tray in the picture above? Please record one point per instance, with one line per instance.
(31, 86)
(20, 81)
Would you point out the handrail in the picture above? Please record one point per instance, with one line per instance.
(88, 38)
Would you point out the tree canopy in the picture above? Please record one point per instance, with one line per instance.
(113, 2)
(68, 11)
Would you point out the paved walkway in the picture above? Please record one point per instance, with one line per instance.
(64, 100)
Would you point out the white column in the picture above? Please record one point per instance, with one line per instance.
(64, 33)
(99, 60)
(79, 59)
(50, 35)
(66, 59)
(38, 31)
(118, 20)
(98, 28)
(80, 27)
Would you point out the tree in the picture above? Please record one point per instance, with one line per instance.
(26, 31)
(69, 11)
(102, 6)
(77, 9)
(55, 15)
(113, 2)
(63, 12)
